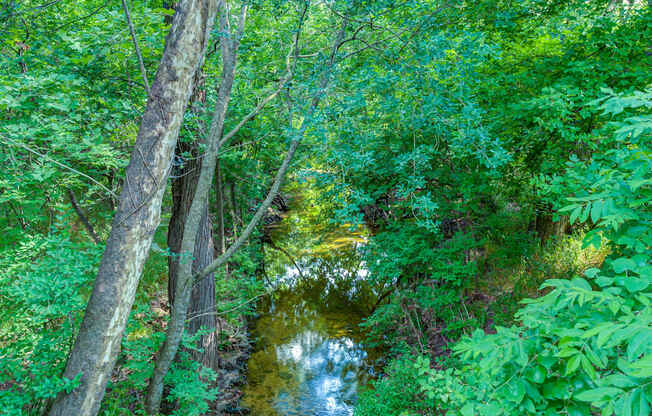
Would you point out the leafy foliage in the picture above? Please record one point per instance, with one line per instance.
(478, 142)
(586, 343)
(42, 283)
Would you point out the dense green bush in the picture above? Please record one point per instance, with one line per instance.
(587, 344)
(42, 287)
(398, 393)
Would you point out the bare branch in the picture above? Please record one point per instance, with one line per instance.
(289, 256)
(135, 41)
(253, 113)
(91, 14)
(83, 217)
(290, 67)
(240, 305)
(280, 174)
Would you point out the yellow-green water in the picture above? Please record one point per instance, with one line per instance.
(308, 358)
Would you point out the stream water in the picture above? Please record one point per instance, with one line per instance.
(309, 359)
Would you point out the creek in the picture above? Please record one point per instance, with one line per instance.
(309, 358)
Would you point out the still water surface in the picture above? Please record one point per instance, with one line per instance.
(309, 359)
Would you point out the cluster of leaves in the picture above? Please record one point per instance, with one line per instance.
(586, 344)
(43, 287)
(398, 393)
(410, 155)
(67, 110)
(446, 142)
(428, 285)
(189, 384)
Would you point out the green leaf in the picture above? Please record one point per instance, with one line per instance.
(643, 403)
(635, 284)
(559, 389)
(538, 374)
(628, 405)
(599, 394)
(639, 344)
(585, 213)
(467, 410)
(592, 272)
(576, 213)
(643, 367)
(618, 380)
(596, 211)
(588, 368)
(623, 263)
(635, 403)
(567, 352)
(573, 364)
(579, 411)
(593, 357)
(614, 307)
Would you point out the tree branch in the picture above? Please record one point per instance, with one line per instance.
(282, 169)
(253, 113)
(135, 41)
(11, 142)
(289, 256)
(83, 217)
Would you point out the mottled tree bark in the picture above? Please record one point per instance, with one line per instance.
(187, 278)
(138, 214)
(280, 174)
(219, 205)
(183, 285)
(234, 207)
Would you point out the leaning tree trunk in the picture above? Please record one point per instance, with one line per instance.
(183, 189)
(192, 226)
(138, 215)
(219, 208)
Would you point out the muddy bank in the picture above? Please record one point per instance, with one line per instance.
(232, 366)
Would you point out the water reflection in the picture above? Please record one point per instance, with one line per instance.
(309, 360)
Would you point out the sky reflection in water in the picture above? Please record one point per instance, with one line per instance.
(308, 359)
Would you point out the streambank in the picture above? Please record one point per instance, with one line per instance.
(231, 370)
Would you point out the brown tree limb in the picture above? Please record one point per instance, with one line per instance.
(282, 169)
(182, 294)
(82, 217)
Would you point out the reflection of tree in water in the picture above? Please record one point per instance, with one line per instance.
(333, 280)
(308, 359)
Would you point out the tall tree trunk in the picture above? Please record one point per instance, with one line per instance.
(219, 194)
(202, 298)
(294, 144)
(203, 294)
(219, 205)
(138, 215)
(233, 207)
(184, 283)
